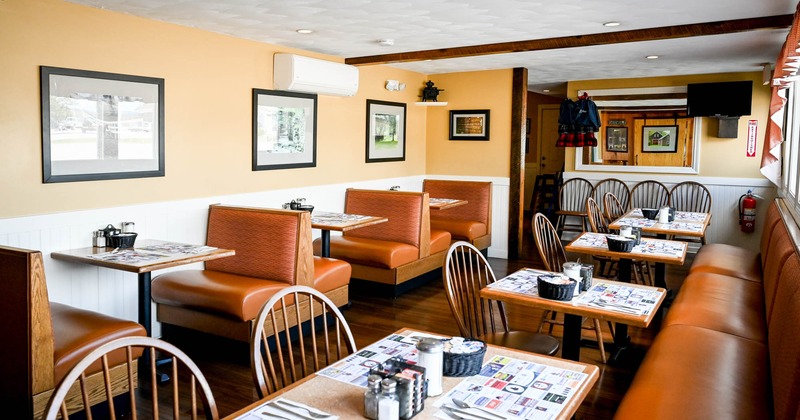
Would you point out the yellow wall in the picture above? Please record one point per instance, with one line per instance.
(719, 157)
(208, 86)
(464, 91)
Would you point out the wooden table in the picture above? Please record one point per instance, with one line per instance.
(685, 223)
(341, 222)
(573, 312)
(347, 401)
(445, 203)
(652, 250)
(124, 261)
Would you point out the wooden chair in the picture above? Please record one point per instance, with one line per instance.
(613, 208)
(553, 256)
(599, 224)
(572, 203)
(690, 196)
(649, 195)
(277, 361)
(614, 186)
(466, 272)
(180, 363)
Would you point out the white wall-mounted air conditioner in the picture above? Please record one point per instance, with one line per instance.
(304, 74)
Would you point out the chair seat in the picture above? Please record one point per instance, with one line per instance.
(462, 230)
(728, 260)
(76, 332)
(330, 273)
(524, 340)
(239, 297)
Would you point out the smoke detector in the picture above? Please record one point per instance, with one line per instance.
(386, 42)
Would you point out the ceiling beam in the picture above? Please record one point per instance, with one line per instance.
(635, 35)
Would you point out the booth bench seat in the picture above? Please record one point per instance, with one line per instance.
(273, 251)
(728, 346)
(47, 339)
(471, 222)
(396, 251)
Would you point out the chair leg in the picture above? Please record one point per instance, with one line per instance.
(599, 334)
(544, 319)
(613, 332)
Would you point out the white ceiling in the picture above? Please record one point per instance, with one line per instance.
(352, 28)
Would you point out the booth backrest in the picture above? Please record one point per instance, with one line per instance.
(408, 213)
(784, 342)
(477, 194)
(770, 223)
(278, 256)
(26, 359)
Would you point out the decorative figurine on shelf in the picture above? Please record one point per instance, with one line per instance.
(430, 92)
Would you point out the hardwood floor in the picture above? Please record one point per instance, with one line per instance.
(226, 364)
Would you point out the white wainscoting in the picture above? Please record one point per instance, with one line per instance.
(115, 293)
(725, 193)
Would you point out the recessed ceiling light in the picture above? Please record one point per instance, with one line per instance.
(546, 90)
(609, 24)
(651, 57)
(304, 31)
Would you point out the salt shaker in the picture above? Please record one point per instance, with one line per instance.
(388, 404)
(431, 357)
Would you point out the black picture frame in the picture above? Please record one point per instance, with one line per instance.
(617, 139)
(660, 139)
(100, 126)
(469, 124)
(284, 130)
(386, 131)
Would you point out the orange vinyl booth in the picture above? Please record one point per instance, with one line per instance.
(396, 251)
(471, 222)
(47, 339)
(273, 251)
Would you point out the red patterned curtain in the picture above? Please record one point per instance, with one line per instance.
(786, 67)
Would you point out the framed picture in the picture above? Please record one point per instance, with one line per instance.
(99, 126)
(469, 125)
(284, 130)
(386, 131)
(660, 138)
(617, 139)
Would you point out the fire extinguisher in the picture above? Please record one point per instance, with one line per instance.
(747, 212)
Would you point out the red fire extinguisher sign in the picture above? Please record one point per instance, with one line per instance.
(752, 131)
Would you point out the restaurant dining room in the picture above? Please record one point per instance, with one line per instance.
(393, 210)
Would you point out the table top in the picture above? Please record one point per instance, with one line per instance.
(347, 401)
(146, 256)
(653, 250)
(445, 203)
(343, 222)
(685, 223)
(520, 288)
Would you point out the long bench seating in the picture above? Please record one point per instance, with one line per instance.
(46, 339)
(471, 222)
(729, 344)
(273, 251)
(396, 251)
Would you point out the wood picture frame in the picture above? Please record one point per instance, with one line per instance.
(100, 126)
(284, 130)
(386, 131)
(617, 139)
(469, 124)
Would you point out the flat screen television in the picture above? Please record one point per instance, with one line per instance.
(723, 99)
